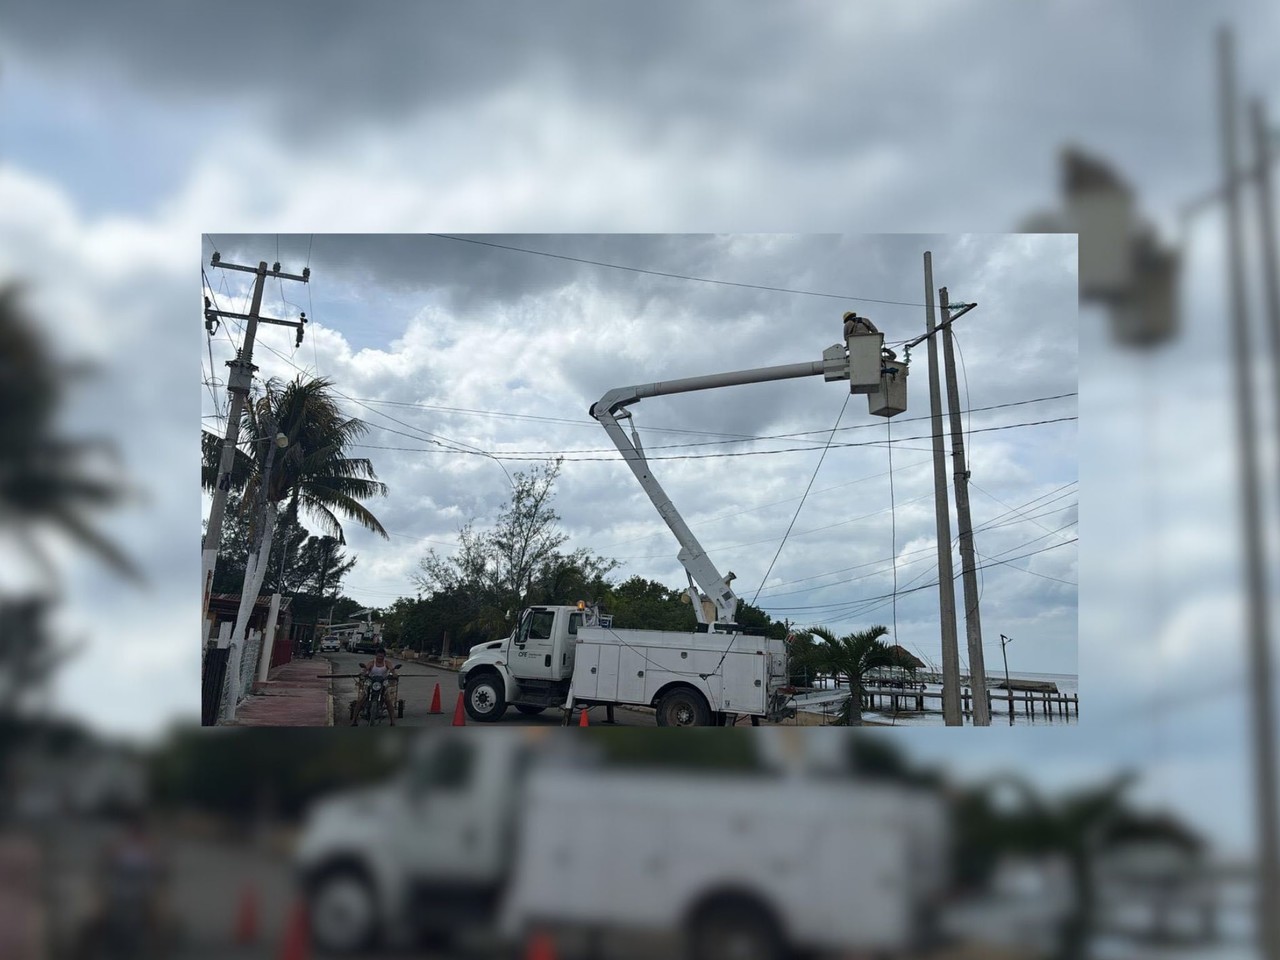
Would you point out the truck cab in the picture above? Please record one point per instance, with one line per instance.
(531, 669)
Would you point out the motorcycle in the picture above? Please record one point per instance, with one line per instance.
(374, 710)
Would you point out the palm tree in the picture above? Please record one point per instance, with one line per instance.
(47, 482)
(312, 472)
(853, 655)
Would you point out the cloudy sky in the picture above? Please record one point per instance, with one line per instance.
(449, 347)
(131, 130)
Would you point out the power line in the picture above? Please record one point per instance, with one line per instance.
(885, 596)
(527, 455)
(922, 555)
(800, 505)
(672, 276)
(727, 437)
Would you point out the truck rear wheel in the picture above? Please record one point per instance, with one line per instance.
(683, 707)
(485, 699)
(734, 930)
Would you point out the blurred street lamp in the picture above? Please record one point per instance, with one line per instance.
(1123, 265)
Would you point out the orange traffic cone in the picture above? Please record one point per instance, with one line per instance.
(297, 936)
(247, 916)
(582, 720)
(459, 713)
(435, 701)
(540, 946)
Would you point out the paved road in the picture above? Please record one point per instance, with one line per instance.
(418, 681)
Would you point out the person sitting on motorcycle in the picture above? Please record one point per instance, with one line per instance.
(378, 669)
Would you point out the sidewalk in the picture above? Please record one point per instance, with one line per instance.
(293, 696)
(22, 919)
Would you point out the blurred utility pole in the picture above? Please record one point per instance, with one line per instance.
(972, 619)
(1257, 638)
(238, 384)
(1262, 138)
(951, 713)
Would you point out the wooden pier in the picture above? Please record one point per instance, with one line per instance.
(903, 699)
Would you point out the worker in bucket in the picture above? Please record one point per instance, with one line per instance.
(855, 325)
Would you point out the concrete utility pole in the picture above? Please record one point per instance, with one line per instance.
(1262, 140)
(238, 384)
(951, 712)
(1257, 613)
(964, 523)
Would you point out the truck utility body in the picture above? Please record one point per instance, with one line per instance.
(498, 835)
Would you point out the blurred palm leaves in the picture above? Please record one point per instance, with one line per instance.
(47, 482)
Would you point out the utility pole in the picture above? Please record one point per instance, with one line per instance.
(238, 384)
(1267, 234)
(1257, 613)
(964, 524)
(951, 713)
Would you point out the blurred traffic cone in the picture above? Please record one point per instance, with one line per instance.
(459, 713)
(540, 946)
(247, 916)
(435, 701)
(582, 720)
(297, 937)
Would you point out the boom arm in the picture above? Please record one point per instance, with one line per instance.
(834, 365)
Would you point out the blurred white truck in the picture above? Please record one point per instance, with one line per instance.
(494, 835)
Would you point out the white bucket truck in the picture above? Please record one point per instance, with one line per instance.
(490, 837)
(566, 656)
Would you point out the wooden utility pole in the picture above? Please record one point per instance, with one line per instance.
(238, 384)
(951, 709)
(972, 619)
(1257, 637)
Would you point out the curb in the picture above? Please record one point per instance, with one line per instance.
(328, 710)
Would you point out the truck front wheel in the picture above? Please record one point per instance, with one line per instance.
(683, 707)
(485, 699)
(343, 911)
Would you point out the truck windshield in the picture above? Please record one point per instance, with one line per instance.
(446, 768)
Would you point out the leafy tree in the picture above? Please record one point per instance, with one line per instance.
(515, 563)
(322, 565)
(637, 603)
(285, 572)
(852, 656)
